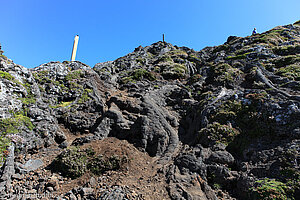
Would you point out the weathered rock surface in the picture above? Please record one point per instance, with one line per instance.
(220, 123)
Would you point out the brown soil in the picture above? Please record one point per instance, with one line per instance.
(139, 174)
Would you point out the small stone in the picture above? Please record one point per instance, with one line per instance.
(32, 165)
(93, 181)
(53, 182)
(17, 176)
(50, 189)
(86, 191)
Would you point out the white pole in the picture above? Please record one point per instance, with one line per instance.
(74, 48)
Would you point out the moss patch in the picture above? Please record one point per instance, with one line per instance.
(286, 60)
(173, 70)
(272, 37)
(85, 96)
(225, 74)
(77, 74)
(270, 189)
(217, 133)
(7, 76)
(74, 162)
(138, 75)
(62, 104)
(13, 125)
(238, 56)
(292, 72)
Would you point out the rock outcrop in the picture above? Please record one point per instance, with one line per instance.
(162, 122)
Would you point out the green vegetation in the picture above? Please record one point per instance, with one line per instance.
(30, 97)
(238, 56)
(7, 76)
(177, 53)
(10, 126)
(225, 74)
(218, 133)
(41, 77)
(272, 37)
(241, 115)
(286, 50)
(4, 144)
(229, 124)
(73, 75)
(193, 58)
(62, 104)
(13, 125)
(223, 47)
(165, 58)
(71, 162)
(140, 60)
(3, 56)
(99, 164)
(292, 72)
(85, 96)
(270, 189)
(286, 60)
(173, 70)
(138, 75)
(74, 162)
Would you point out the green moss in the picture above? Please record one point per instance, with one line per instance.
(292, 72)
(12, 125)
(286, 50)
(126, 80)
(28, 101)
(138, 75)
(74, 162)
(3, 56)
(62, 104)
(85, 96)
(140, 60)
(223, 47)
(272, 37)
(41, 77)
(165, 58)
(173, 70)
(30, 97)
(217, 133)
(71, 162)
(225, 74)
(237, 57)
(270, 189)
(7, 76)
(100, 164)
(4, 144)
(286, 60)
(74, 75)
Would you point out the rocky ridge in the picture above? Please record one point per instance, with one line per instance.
(162, 122)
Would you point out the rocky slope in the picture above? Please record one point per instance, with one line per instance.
(163, 122)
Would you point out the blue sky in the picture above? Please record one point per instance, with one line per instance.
(33, 32)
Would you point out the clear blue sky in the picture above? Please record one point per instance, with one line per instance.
(33, 32)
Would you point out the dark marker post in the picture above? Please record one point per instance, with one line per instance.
(163, 37)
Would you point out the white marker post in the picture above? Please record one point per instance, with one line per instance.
(74, 48)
